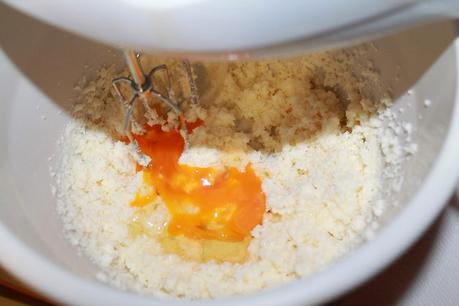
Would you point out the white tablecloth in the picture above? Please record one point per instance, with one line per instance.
(428, 274)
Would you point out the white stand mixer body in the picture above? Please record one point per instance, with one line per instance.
(233, 29)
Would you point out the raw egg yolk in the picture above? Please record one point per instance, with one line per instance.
(204, 203)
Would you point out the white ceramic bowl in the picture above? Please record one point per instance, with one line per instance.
(39, 67)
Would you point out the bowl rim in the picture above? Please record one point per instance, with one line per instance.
(45, 276)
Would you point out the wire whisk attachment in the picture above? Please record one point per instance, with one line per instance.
(144, 90)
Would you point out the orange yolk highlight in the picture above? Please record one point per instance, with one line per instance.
(204, 203)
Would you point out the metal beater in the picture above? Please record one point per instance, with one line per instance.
(144, 90)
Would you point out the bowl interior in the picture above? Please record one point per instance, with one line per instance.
(41, 65)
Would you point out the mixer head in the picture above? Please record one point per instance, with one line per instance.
(234, 29)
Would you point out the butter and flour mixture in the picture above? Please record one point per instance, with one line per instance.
(308, 127)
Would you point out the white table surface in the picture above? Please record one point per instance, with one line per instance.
(428, 274)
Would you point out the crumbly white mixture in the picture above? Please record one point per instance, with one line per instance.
(312, 133)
